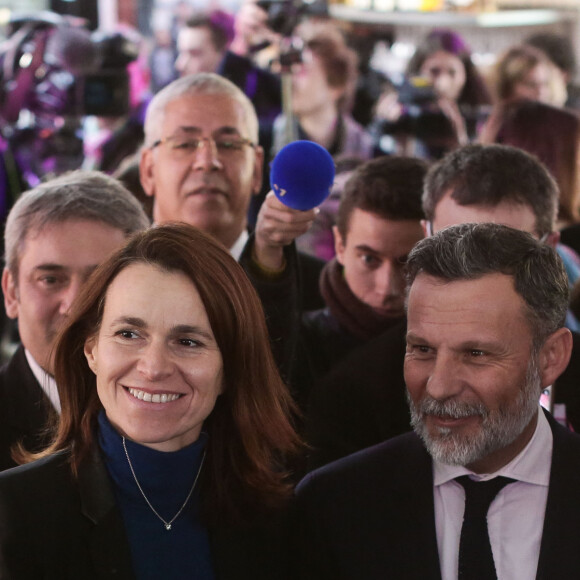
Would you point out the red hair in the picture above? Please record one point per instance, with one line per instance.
(250, 430)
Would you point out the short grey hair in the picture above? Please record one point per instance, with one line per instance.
(78, 195)
(470, 251)
(198, 84)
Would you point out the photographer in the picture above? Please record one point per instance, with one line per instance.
(53, 74)
(442, 103)
(323, 85)
(253, 37)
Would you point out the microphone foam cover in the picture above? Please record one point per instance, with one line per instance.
(302, 174)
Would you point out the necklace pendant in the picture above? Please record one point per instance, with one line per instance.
(166, 524)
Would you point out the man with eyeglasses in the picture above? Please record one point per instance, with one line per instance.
(202, 165)
(362, 401)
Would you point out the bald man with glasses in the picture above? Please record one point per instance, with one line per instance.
(201, 163)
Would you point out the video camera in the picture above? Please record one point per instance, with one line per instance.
(416, 91)
(53, 73)
(284, 15)
(51, 66)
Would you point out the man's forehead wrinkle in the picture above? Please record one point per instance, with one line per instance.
(195, 129)
(418, 323)
(188, 129)
(424, 311)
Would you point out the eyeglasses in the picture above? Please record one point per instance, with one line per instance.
(184, 146)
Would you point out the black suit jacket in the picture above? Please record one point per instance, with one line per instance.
(371, 515)
(284, 298)
(24, 408)
(55, 528)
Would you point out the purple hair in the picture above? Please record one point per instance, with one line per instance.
(449, 41)
(225, 21)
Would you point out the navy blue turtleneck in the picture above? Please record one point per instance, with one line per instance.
(166, 478)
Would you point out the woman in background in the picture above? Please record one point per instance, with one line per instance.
(168, 459)
(553, 136)
(444, 109)
(524, 116)
(525, 73)
(323, 86)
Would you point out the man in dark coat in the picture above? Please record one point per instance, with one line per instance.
(362, 401)
(486, 310)
(377, 224)
(55, 236)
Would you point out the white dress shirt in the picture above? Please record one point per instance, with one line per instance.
(238, 247)
(515, 517)
(46, 381)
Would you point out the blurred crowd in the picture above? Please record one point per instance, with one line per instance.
(241, 343)
(75, 99)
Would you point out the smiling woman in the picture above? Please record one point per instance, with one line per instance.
(157, 363)
(174, 425)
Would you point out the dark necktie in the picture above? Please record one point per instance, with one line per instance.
(475, 555)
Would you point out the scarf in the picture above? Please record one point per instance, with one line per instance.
(355, 316)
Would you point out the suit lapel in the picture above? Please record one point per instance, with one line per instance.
(560, 547)
(394, 508)
(417, 523)
(108, 544)
(29, 407)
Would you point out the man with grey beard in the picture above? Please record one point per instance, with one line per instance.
(486, 306)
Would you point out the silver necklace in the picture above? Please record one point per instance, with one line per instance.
(165, 523)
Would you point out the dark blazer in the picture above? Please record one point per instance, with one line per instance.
(24, 408)
(362, 401)
(55, 528)
(284, 297)
(260, 86)
(371, 515)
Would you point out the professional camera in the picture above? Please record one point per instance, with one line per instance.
(53, 73)
(284, 15)
(51, 66)
(416, 91)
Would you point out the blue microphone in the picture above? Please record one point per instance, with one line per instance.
(302, 174)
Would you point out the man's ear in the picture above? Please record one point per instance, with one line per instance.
(146, 171)
(339, 245)
(90, 350)
(553, 239)
(10, 291)
(426, 228)
(258, 170)
(555, 356)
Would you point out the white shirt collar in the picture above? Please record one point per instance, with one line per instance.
(238, 247)
(531, 465)
(46, 381)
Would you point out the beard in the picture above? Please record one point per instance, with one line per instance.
(499, 428)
